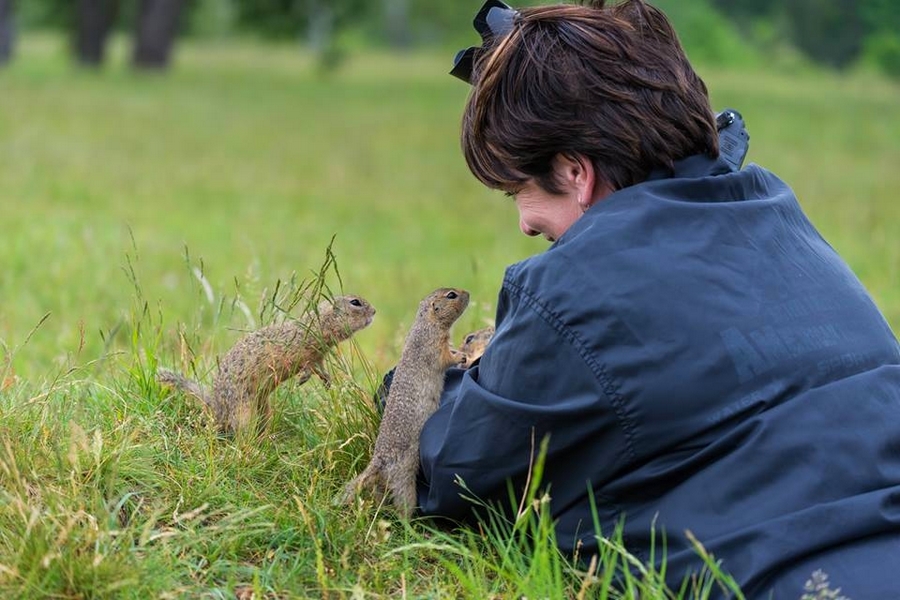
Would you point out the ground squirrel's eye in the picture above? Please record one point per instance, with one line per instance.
(355, 302)
(452, 295)
(469, 338)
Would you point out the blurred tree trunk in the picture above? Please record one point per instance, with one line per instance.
(157, 27)
(320, 26)
(7, 31)
(396, 14)
(94, 21)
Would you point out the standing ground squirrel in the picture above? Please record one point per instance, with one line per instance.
(260, 361)
(413, 396)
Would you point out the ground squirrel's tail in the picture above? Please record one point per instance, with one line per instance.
(178, 381)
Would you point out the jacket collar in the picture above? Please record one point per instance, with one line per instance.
(698, 165)
(692, 167)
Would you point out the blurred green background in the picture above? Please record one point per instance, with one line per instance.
(188, 160)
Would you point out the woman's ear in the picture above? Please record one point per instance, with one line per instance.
(579, 178)
(575, 173)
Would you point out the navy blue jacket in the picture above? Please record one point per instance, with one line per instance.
(700, 357)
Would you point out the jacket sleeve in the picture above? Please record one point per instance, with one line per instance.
(532, 381)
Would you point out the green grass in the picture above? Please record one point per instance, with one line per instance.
(141, 214)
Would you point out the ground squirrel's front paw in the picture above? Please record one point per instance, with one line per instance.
(456, 359)
(323, 376)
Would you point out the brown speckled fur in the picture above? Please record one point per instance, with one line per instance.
(413, 396)
(260, 361)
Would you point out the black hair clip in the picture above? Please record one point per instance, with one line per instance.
(493, 20)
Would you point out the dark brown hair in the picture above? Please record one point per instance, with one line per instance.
(612, 84)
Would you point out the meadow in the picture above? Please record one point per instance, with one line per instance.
(150, 219)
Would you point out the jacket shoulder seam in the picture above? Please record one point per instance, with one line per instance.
(608, 384)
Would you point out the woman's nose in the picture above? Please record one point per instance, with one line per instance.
(527, 230)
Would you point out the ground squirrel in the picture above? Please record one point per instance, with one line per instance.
(473, 346)
(260, 361)
(413, 396)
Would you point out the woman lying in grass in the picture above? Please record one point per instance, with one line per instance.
(700, 359)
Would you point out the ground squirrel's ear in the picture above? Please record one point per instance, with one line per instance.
(325, 305)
